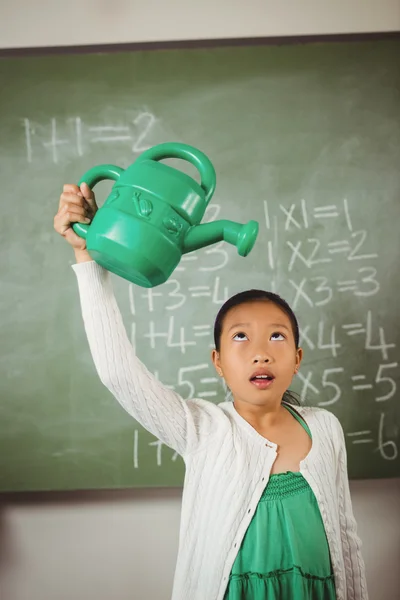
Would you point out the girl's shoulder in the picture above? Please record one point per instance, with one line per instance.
(321, 418)
(325, 425)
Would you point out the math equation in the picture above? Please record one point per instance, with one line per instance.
(55, 140)
(313, 273)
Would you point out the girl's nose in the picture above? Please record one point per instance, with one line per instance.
(261, 357)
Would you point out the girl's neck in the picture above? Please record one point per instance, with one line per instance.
(260, 417)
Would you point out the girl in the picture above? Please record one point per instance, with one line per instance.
(266, 510)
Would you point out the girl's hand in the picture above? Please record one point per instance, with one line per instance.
(77, 205)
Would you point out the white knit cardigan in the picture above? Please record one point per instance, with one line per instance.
(227, 462)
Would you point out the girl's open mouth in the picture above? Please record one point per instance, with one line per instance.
(262, 382)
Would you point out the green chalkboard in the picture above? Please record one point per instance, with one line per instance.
(305, 139)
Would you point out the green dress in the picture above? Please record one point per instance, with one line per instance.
(284, 553)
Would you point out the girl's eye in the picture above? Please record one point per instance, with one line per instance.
(239, 337)
(277, 336)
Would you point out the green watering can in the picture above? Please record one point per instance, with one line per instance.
(152, 216)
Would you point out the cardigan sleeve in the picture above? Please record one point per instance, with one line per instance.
(356, 585)
(180, 424)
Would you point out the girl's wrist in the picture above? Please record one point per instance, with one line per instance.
(82, 256)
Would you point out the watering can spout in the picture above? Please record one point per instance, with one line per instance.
(241, 236)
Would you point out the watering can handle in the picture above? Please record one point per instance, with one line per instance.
(92, 177)
(192, 155)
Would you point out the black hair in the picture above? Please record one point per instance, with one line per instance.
(252, 296)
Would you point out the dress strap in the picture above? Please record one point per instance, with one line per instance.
(298, 418)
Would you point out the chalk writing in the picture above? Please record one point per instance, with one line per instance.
(303, 264)
(75, 137)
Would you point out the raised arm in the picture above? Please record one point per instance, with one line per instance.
(182, 425)
(160, 410)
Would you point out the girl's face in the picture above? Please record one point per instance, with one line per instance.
(258, 355)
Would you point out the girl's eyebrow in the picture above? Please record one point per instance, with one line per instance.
(239, 325)
(281, 325)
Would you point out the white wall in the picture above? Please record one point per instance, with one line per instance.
(122, 545)
(27, 23)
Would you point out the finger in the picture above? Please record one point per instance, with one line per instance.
(74, 212)
(73, 209)
(71, 188)
(73, 203)
(64, 218)
(62, 227)
(89, 196)
(69, 197)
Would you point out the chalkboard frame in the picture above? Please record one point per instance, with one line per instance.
(200, 43)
